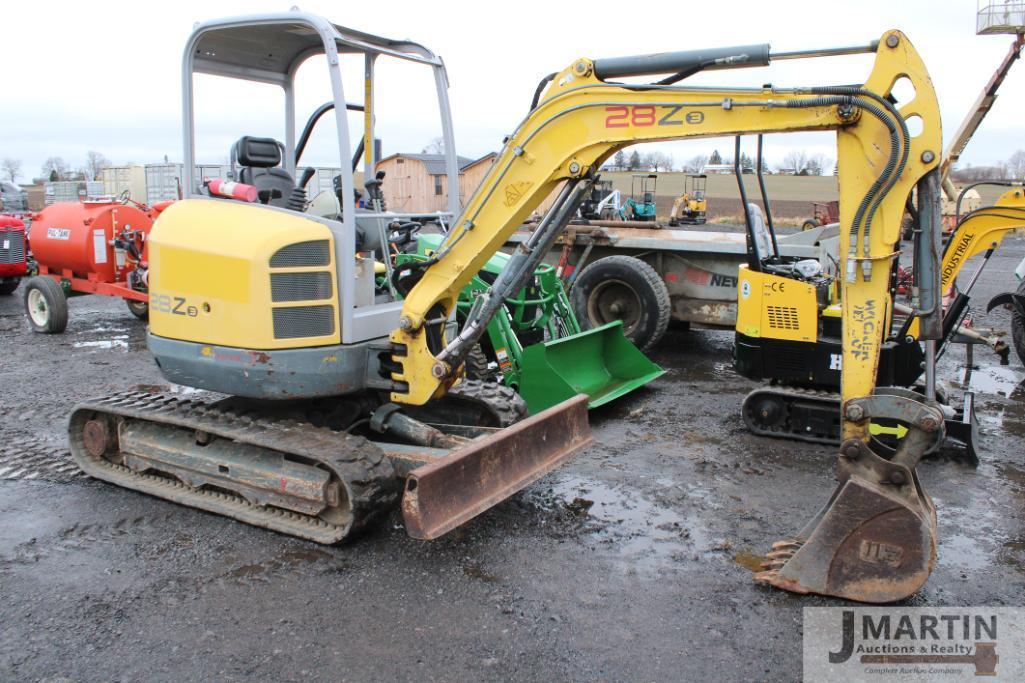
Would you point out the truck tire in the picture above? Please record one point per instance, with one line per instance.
(623, 288)
(1018, 327)
(140, 309)
(810, 224)
(7, 287)
(46, 305)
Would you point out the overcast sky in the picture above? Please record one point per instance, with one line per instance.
(106, 75)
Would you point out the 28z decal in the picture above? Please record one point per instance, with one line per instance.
(175, 305)
(623, 116)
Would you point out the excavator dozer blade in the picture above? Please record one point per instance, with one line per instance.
(441, 495)
(871, 543)
(600, 362)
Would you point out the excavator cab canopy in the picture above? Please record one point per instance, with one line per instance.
(270, 49)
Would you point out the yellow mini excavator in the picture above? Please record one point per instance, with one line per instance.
(277, 305)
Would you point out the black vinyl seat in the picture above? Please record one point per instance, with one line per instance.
(260, 159)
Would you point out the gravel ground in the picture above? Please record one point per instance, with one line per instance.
(651, 582)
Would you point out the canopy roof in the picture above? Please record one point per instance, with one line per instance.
(269, 47)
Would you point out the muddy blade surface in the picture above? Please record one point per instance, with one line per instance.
(454, 489)
(867, 544)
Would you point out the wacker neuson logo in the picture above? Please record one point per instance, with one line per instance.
(914, 643)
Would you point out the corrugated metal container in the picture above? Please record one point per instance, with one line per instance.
(118, 179)
(212, 171)
(71, 190)
(162, 182)
(321, 182)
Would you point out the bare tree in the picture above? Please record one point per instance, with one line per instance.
(816, 165)
(1016, 165)
(797, 159)
(11, 169)
(656, 161)
(94, 161)
(55, 168)
(435, 146)
(696, 163)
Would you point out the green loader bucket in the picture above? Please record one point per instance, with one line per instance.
(600, 362)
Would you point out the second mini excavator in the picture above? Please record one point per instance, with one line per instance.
(275, 306)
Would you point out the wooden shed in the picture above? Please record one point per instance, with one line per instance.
(416, 183)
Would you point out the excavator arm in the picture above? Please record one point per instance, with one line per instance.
(875, 539)
(583, 119)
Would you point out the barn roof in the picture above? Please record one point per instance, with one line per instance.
(435, 163)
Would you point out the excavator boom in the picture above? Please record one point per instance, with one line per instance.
(875, 540)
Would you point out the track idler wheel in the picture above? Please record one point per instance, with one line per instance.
(99, 437)
(875, 540)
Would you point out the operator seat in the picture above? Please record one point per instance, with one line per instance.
(260, 159)
(762, 238)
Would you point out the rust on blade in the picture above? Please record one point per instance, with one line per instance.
(452, 490)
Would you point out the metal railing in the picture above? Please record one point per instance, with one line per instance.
(1000, 17)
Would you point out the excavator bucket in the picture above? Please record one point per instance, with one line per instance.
(600, 362)
(453, 489)
(867, 544)
(875, 540)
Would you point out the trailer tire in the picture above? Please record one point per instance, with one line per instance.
(46, 305)
(140, 309)
(7, 288)
(1018, 327)
(623, 288)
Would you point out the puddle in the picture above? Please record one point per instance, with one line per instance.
(176, 389)
(284, 561)
(749, 561)
(957, 550)
(118, 341)
(1000, 380)
(643, 533)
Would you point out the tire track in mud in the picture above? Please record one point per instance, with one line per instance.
(78, 537)
(33, 459)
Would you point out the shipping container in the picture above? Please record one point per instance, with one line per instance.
(72, 191)
(130, 179)
(163, 182)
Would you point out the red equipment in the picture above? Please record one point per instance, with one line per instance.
(824, 213)
(232, 190)
(13, 253)
(96, 247)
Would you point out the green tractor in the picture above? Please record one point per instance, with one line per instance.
(537, 346)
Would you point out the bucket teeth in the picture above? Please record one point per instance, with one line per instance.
(790, 544)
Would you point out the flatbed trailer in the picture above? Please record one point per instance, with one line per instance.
(697, 267)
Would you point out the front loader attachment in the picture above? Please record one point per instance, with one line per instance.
(875, 540)
(451, 490)
(600, 362)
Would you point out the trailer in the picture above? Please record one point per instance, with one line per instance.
(692, 274)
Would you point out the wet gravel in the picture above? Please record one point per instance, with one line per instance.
(633, 562)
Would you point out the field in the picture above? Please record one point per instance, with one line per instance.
(790, 196)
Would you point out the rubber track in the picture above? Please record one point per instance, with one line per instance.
(791, 394)
(360, 465)
(503, 402)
